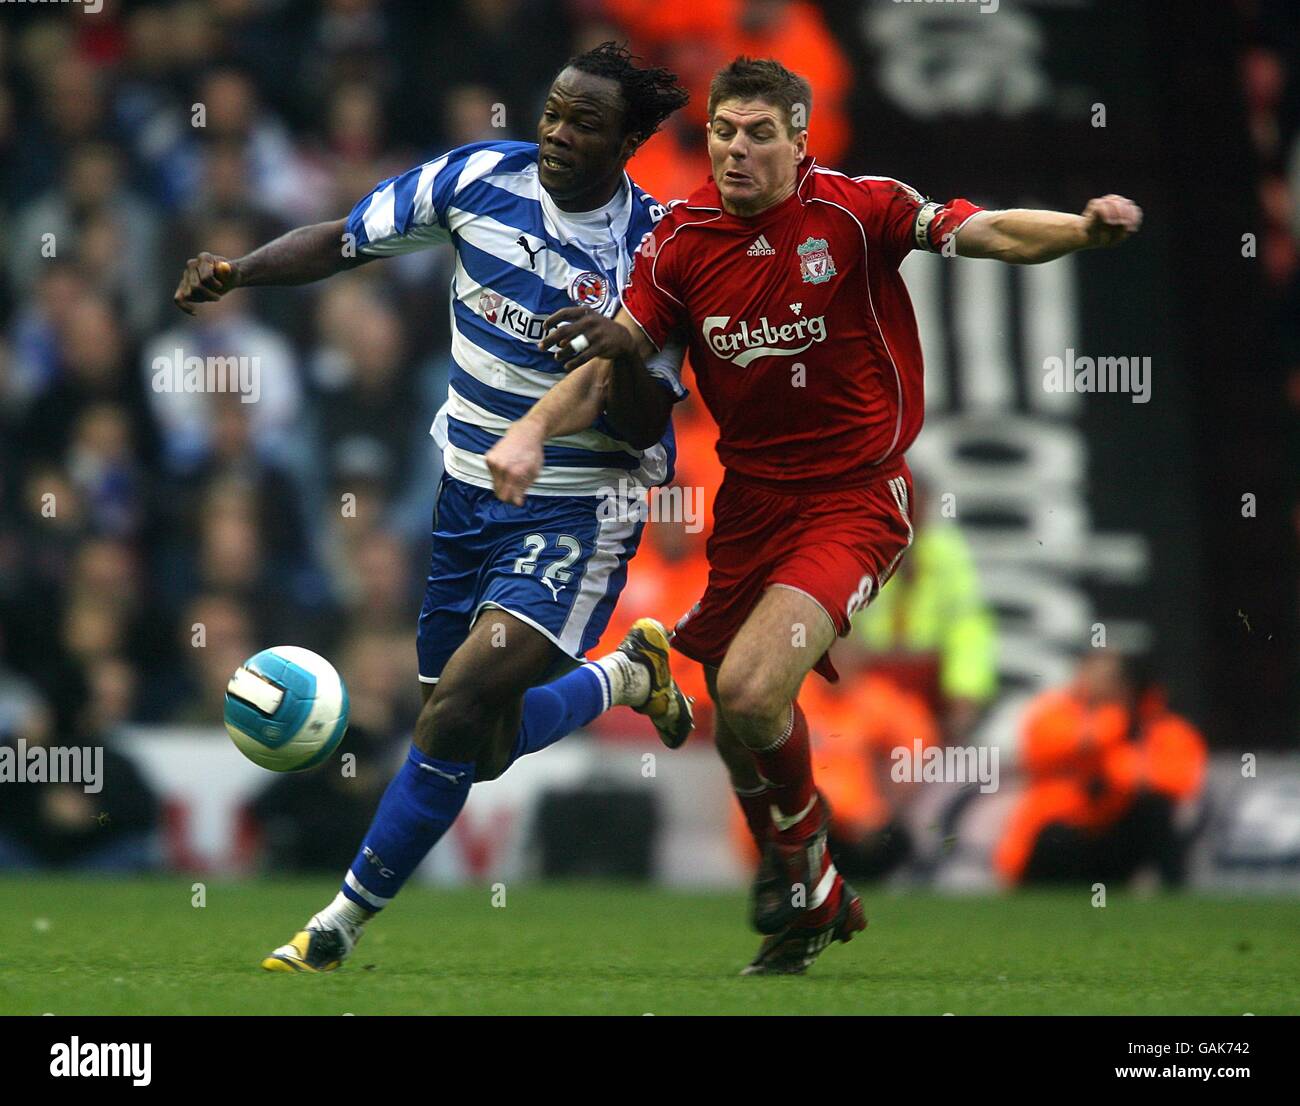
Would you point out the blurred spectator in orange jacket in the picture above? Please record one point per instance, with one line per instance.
(1112, 773)
(796, 34)
(696, 40)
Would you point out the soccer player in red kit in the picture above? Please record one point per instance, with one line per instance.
(783, 277)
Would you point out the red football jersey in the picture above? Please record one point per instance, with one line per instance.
(799, 325)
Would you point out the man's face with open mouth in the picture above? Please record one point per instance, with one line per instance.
(580, 136)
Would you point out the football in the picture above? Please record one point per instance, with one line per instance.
(286, 708)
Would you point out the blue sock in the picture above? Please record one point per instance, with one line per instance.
(560, 707)
(417, 809)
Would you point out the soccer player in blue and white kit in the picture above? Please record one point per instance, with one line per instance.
(536, 227)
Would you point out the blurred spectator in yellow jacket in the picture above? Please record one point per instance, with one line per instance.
(930, 630)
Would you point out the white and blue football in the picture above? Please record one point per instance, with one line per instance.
(286, 708)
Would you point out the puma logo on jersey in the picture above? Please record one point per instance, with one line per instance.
(532, 253)
(761, 247)
(555, 588)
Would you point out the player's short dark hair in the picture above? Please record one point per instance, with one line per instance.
(768, 80)
(651, 93)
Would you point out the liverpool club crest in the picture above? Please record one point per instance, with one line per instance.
(815, 261)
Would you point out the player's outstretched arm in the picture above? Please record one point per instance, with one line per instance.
(572, 405)
(1024, 237)
(299, 257)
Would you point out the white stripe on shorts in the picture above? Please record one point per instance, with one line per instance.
(611, 541)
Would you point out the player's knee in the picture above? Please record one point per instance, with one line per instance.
(747, 700)
(457, 723)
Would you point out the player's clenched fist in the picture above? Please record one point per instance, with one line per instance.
(206, 278)
(515, 461)
(576, 335)
(1111, 219)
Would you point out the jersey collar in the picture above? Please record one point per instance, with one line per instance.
(553, 217)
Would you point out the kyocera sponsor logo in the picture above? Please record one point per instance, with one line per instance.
(508, 315)
(747, 341)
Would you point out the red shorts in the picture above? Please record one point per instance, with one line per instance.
(837, 547)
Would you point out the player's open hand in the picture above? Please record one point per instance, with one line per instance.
(515, 461)
(1111, 219)
(206, 279)
(577, 335)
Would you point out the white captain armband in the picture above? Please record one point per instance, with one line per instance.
(921, 228)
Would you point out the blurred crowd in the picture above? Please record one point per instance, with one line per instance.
(1270, 89)
(176, 532)
(152, 539)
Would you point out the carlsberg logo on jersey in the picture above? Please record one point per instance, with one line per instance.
(744, 343)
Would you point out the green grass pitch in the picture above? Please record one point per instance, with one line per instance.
(78, 946)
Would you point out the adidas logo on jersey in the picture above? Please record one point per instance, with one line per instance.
(761, 248)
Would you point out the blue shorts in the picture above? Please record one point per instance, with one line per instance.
(557, 563)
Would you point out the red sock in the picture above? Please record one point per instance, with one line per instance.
(832, 886)
(787, 766)
(755, 805)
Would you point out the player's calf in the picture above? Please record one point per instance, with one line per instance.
(767, 661)
(752, 791)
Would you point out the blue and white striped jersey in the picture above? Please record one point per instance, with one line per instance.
(518, 259)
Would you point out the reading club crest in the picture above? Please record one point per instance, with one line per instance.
(815, 261)
(590, 290)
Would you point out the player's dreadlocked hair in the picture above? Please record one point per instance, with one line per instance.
(651, 94)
